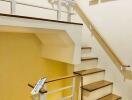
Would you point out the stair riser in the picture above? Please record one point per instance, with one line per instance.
(94, 95)
(85, 52)
(93, 78)
(86, 65)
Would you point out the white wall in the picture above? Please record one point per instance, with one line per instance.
(114, 21)
(4, 7)
(121, 87)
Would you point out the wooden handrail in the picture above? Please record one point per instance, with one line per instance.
(62, 78)
(99, 38)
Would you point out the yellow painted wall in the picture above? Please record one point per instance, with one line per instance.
(21, 63)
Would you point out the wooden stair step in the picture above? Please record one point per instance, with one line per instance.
(89, 71)
(86, 48)
(88, 58)
(96, 85)
(110, 97)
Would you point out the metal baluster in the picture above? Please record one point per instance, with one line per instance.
(13, 7)
(59, 10)
(69, 13)
(70, 6)
(73, 88)
(42, 96)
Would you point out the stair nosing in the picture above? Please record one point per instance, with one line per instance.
(90, 73)
(111, 83)
(89, 58)
(86, 48)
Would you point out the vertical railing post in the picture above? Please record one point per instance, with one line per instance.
(13, 7)
(69, 13)
(99, 1)
(70, 6)
(36, 97)
(73, 88)
(81, 87)
(42, 96)
(59, 10)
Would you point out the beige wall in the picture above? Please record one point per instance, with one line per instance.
(113, 21)
(20, 64)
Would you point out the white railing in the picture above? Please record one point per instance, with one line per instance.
(44, 92)
(59, 3)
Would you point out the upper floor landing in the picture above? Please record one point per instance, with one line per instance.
(60, 40)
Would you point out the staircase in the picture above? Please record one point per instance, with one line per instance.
(93, 83)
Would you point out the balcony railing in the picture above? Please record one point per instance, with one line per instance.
(59, 3)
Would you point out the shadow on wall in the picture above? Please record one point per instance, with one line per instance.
(95, 2)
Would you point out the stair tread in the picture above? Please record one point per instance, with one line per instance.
(96, 85)
(110, 97)
(89, 71)
(86, 48)
(88, 58)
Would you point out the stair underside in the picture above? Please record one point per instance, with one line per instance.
(110, 97)
(96, 85)
(89, 71)
(88, 58)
